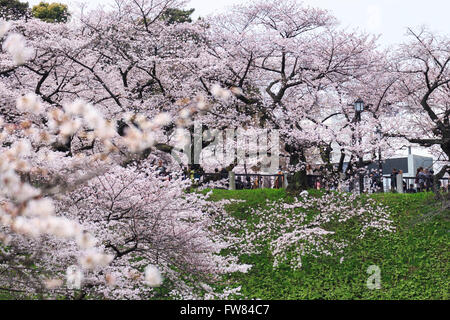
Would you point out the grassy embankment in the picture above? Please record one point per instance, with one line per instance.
(414, 260)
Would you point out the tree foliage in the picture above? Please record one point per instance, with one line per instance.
(175, 15)
(51, 12)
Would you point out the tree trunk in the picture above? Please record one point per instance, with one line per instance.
(436, 177)
(298, 181)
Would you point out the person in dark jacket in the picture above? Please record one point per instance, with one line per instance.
(411, 189)
(224, 173)
(239, 184)
(421, 179)
(431, 178)
(394, 180)
(247, 183)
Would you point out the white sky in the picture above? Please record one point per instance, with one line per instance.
(387, 18)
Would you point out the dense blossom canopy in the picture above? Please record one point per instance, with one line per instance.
(89, 107)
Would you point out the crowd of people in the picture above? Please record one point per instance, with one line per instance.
(260, 181)
(317, 178)
(423, 181)
(198, 177)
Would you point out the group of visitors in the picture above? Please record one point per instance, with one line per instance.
(319, 179)
(247, 184)
(316, 178)
(217, 175)
(197, 175)
(260, 181)
(194, 172)
(424, 179)
(376, 180)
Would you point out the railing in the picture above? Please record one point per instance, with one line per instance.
(256, 181)
(245, 181)
(402, 184)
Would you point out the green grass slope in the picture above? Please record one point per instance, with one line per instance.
(414, 260)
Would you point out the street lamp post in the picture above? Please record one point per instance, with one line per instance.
(359, 108)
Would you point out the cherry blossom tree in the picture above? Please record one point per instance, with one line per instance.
(278, 59)
(276, 74)
(422, 66)
(51, 182)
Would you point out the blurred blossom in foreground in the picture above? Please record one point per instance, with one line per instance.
(152, 276)
(15, 46)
